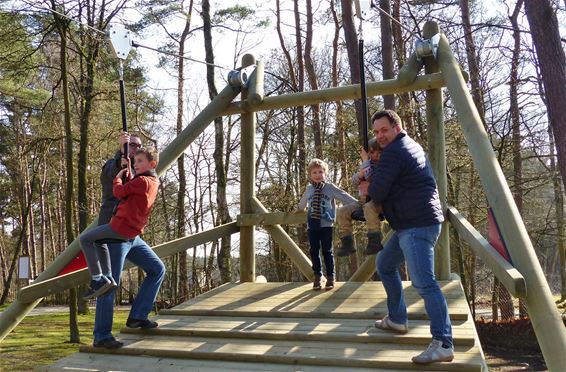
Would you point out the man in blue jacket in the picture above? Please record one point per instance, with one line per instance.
(404, 184)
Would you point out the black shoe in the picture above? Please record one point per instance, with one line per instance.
(98, 288)
(108, 343)
(374, 243)
(329, 283)
(316, 284)
(358, 214)
(346, 246)
(140, 323)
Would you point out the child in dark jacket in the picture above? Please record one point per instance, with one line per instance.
(370, 210)
(130, 217)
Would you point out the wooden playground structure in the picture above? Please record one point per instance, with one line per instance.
(287, 326)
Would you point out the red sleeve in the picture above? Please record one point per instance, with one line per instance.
(121, 191)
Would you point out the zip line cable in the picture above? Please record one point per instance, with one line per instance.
(80, 23)
(136, 45)
(373, 4)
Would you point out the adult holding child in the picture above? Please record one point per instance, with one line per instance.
(407, 190)
(134, 250)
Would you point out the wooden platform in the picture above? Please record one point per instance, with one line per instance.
(285, 327)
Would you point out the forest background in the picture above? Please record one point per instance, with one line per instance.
(60, 117)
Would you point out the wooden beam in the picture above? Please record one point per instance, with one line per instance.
(546, 320)
(509, 276)
(292, 250)
(378, 88)
(368, 267)
(61, 283)
(247, 179)
(273, 218)
(437, 155)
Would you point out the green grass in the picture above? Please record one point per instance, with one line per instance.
(44, 339)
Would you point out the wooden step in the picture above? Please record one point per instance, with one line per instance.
(291, 300)
(107, 362)
(364, 355)
(304, 329)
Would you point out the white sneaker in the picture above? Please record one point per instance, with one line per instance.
(435, 353)
(388, 325)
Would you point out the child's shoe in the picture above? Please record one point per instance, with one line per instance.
(374, 243)
(316, 284)
(346, 246)
(329, 283)
(98, 288)
(358, 214)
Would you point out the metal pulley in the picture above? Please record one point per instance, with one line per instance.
(428, 47)
(240, 78)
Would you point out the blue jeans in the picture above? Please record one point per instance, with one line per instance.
(416, 246)
(141, 255)
(321, 238)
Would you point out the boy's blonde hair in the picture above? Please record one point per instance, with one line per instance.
(317, 163)
(150, 153)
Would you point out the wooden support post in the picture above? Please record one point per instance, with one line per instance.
(247, 183)
(11, 317)
(408, 73)
(256, 90)
(287, 244)
(273, 218)
(367, 268)
(437, 156)
(509, 276)
(46, 287)
(378, 88)
(546, 320)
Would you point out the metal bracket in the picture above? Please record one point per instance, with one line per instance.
(240, 78)
(428, 47)
(121, 41)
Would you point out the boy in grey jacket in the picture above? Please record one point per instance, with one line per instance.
(319, 197)
(371, 210)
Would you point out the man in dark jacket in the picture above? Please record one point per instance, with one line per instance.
(404, 184)
(135, 250)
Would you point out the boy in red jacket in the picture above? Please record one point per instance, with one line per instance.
(130, 217)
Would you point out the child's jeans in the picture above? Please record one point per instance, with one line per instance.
(371, 213)
(96, 255)
(321, 237)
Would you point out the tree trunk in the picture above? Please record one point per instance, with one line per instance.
(516, 124)
(181, 217)
(31, 236)
(353, 57)
(300, 87)
(311, 75)
(43, 218)
(546, 38)
(386, 50)
(224, 255)
(62, 26)
(340, 124)
(473, 63)
(404, 110)
(559, 215)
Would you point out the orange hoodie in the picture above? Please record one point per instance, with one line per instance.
(136, 200)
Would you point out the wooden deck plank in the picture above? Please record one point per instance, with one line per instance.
(108, 362)
(300, 329)
(287, 327)
(290, 352)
